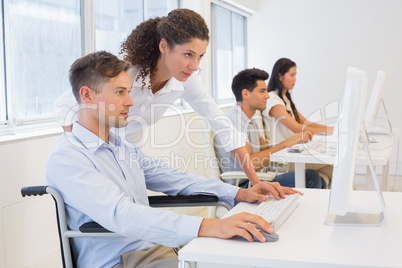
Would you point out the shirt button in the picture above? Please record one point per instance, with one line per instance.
(229, 191)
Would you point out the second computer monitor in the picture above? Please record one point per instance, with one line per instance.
(375, 98)
(349, 122)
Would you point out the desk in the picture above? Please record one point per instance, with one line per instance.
(380, 154)
(306, 242)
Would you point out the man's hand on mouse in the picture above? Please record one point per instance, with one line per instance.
(242, 224)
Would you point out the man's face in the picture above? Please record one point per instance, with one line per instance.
(114, 101)
(258, 97)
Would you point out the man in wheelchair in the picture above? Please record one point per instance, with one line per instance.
(102, 177)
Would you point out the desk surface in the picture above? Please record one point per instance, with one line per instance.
(305, 241)
(380, 153)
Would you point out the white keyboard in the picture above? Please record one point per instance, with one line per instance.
(314, 146)
(317, 146)
(277, 211)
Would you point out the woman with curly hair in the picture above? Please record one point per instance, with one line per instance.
(165, 53)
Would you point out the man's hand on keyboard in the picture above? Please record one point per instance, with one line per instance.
(260, 191)
(301, 137)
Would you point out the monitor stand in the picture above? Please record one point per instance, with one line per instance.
(366, 135)
(383, 130)
(362, 219)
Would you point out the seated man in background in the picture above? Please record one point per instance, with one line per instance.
(251, 94)
(104, 178)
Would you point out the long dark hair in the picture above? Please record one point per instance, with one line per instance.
(141, 47)
(282, 66)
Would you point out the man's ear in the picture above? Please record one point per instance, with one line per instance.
(245, 93)
(163, 45)
(87, 94)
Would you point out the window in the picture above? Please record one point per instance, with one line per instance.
(116, 19)
(39, 40)
(229, 50)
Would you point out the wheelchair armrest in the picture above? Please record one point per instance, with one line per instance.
(93, 227)
(167, 200)
(33, 190)
(164, 201)
(265, 176)
(230, 175)
(187, 201)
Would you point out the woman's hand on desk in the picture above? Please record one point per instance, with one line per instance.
(301, 137)
(241, 224)
(259, 192)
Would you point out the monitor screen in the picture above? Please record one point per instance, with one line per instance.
(375, 98)
(349, 123)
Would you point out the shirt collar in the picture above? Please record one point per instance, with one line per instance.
(171, 85)
(91, 141)
(244, 118)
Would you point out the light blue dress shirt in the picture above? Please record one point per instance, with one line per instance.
(107, 182)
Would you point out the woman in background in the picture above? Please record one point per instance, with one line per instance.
(281, 112)
(282, 116)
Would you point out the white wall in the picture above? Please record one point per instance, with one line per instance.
(28, 232)
(324, 37)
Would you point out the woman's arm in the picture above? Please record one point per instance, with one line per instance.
(281, 115)
(242, 156)
(319, 128)
(196, 95)
(261, 159)
(66, 108)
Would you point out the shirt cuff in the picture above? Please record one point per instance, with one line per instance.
(229, 193)
(189, 228)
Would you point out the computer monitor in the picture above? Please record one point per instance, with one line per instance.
(350, 123)
(373, 104)
(375, 98)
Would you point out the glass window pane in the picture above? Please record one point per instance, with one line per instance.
(159, 8)
(114, 21)
(3, 104)
(43, 38)
(228, 50)
(239, 43)
(223, 53)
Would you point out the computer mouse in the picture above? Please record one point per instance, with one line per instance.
(269, 237)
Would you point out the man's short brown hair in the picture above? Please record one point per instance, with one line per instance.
(94, 70)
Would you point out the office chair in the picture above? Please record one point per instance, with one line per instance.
(93, 229)
(208, 138)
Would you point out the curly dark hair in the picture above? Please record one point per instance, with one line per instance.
(141, 47)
